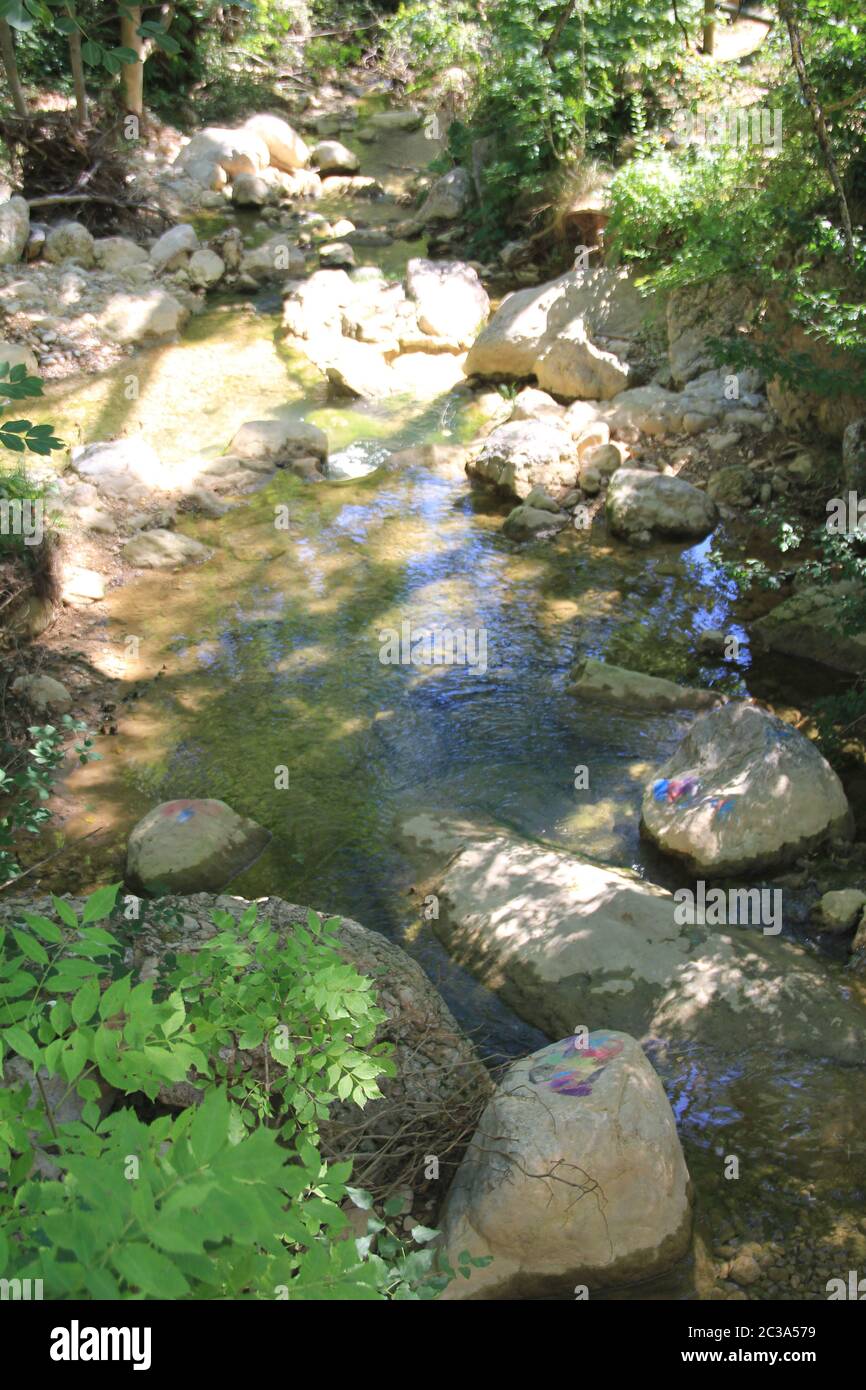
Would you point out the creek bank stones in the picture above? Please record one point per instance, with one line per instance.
(525, 454)
(743, 791)
(563, 940)
(641, 502)
(575, 1175)
(807, 626)
(191, 847)
(361, 331)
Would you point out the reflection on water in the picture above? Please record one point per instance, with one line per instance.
(270, 656)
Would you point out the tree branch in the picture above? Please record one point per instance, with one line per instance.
(786, 10)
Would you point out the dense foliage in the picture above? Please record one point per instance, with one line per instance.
(229, 1198)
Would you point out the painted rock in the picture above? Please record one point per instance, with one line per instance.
(191, 847)
(743, 791)
(575, 1178)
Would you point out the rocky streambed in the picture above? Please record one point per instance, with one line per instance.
(326, 580)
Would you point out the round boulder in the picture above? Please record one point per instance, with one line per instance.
(191, 847)
(330, 157)
(669, 507)
(575, 1176)
(838, 911)
(743, 791)
(286, 149)
(69, 241)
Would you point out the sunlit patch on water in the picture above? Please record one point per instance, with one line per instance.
(271, 657)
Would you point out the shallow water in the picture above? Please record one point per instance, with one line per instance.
(268, 657)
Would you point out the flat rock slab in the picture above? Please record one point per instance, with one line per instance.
(743, 791)
(567, 943)
(575, 1176)
(161, 550)
(614, 685)
(191, 847)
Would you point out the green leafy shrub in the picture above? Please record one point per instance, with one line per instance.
(230, 1198)
(27, 775)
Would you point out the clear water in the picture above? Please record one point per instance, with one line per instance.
(268, 657)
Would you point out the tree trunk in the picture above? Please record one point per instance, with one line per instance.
(555, 35)
(77, 64)
(810, 97)
(7, 52)
(133, 73)
(709, 27)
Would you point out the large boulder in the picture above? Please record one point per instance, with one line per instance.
(451, 301)
(639, 501)
(142, 316)
(599, 306)
(234, 151)
(286, 149)
(573, 367)
(447, 199)
(315, 306)
(575, 1176)
(121, 469)
(251, 191)
(808, 626)
(17, 355)
(439, 1088)
(69, 241)
(356, 370)
(277, 442)
(331, 157)
(528, 523)
(205, 268)
(524, 454)
(44, 692)
(743, 791)
(567, 943)
(14, 229)
(191, 847)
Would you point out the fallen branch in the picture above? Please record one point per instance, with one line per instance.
(59, 199)
(47, 860)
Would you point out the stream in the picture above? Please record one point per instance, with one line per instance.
(267, 656)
